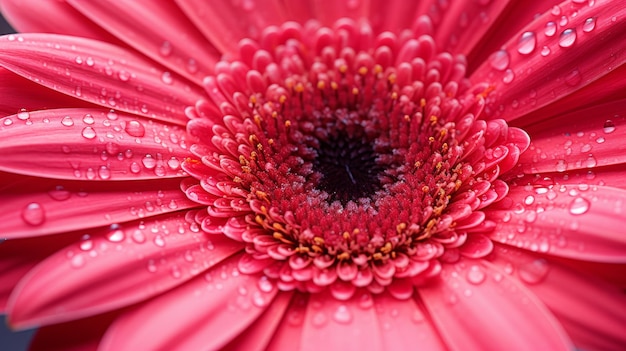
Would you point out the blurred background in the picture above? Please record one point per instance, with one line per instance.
(10, 341)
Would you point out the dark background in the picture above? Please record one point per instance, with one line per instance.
(10, 341)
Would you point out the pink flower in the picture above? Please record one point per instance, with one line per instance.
(363, 175)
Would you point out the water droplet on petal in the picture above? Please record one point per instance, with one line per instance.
(148, 161)
(33, 214)
(475, 275)
(527, 43)
(508, 77)
(608, 127)
(589, 25)
(59, 193)
(166, 78)
(319, 319)
(500, 60)
(104, 172)
(88, 133)
(88, 119)
(23, 115)
(342, 315)
(573, 78)
(135, 128)
(550, 29)
(579, 206)
(116, 236)
(166, 48)
(534, 272)
(567, 38)
(561, 166)
(123, 75)
(159, 241)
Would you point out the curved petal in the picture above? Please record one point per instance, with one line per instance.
(289, 332)
(34, 207)
(208, 311)
(20, 93)
(476, 307)
(99, 73)
(534, 68)
(119, 266)
(259, 334)
(574, 141)
(404, 325)
(590, 310)
(34, 16)
(563, 221)
(91, 144)
(19, 256)
(342, 325)
(162, 32)
(613, 176)
(80, 335)
(225, 23)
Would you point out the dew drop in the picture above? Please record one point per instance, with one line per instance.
(7, 122)
(166, 78)
(59, 193)
(159, 241)
(88, 119)
(608, 127)
(573, 78)
(116, 236)
(545, 51)
(23, 115)
(550, 29)
(88, 133)
(77, 261)
(342, 315)
(567, 38)
(589, 25)
(104, 172)
(134, 168)
(135, 128)
(148, 161)
(508, 76)
(319, 319)
(166, 48)
(112, 115)
(500, 60)
(579, 206)
(475, 275)
(527, 43)
(561, 166)
(33, 214)
(534, 272)
(265, 284)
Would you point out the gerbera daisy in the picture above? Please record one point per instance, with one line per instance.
(269, 175)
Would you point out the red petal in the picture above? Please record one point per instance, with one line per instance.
(34, 16)
(90, 144)
(564, 221)
(121, 265)
(589, 309)
(100, 73)
(259, 334)
(162, 32)
(534, 69)
(80, 335)
(340, 325)
(224, 23)
(20, 93)
(203, 314)
(34, 206)
(576, 141)
(475, 307)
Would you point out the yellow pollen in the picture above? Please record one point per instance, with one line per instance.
(431, 139)
(343, 256)
(387, 248)
(259, 220)
(417, 164)
(299, 88)
(407, 118)
(377, 256)
(346, 236)
(394, 96)
(355, 91)
(316, 248)
(334, 85)
(287, 124)
(318, 240)
(343, 68)
(253, 139)
(243, 161)
(253, 100)
(422, 102)
(270, 141)
(263, 196)
(257, 120)
(282, 99)
(378, 69)
(433, 120)
(192, 160)
(274, 114)
(425, 189)
(237, 179)
(363, 70)
(486, 92)
(392, 80)
(400, 227)
(321, 85)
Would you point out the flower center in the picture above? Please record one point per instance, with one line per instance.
(346, 163)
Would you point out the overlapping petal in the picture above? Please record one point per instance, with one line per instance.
(100, 73)
(114, 267)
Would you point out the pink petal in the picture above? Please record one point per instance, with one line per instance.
(17, 257)
(516, 16)
(614, 176)
(224, 23)
(475, 307)
(404, 325)
(327, 12)
(118, 266)
(564, 221)
(534, 69)
(575, 141)
(34, 16)
(33, 207)
(589, 309)
(100, 73)
(260, 333)
(162, 32)
(91, 144)
(289, 333)
(340, 325)
(390, 15)
(612, 273)
(80, 335)
(203, 314)
(463, 23)
(20, 93)
(611, 87)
